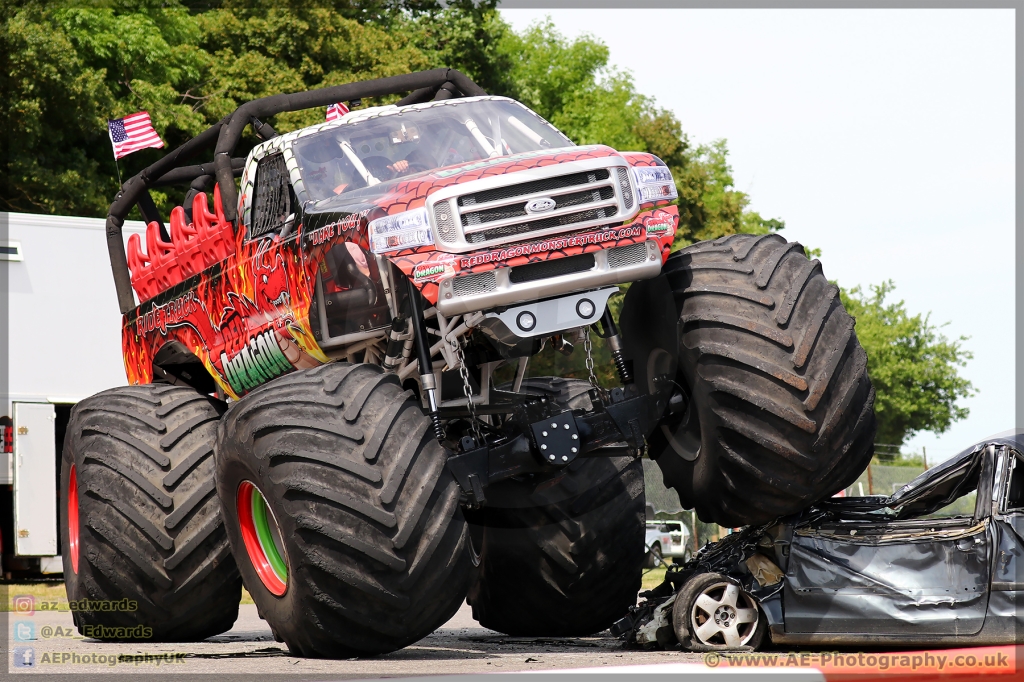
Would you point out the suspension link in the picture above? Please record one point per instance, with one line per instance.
(615, 346)
(427, 382)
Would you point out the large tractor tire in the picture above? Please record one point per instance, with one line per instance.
(341, 512)
(560, 555)
(144, 541)
(778, 412)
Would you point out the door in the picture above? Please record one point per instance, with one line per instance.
(35, 480)
(1006, 606)
(906, 578)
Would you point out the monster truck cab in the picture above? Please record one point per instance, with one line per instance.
(476, 224)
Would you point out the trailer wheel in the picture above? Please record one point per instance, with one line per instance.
(341, 512)
(560, 555)
(140, 520)
(713, 613)
(778, 411)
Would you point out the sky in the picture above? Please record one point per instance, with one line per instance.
(883, 137)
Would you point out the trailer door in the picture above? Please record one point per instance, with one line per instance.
(35, 480)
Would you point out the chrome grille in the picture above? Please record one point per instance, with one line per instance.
(627, 255)
(537, 225)
(627, 190)
(474, 284)
(570, 196)
(545, 185)
(519, 210)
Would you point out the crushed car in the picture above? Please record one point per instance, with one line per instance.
(938, 563)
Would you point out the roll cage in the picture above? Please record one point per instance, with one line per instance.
(224, 136)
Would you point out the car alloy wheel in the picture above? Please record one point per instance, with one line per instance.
(724, 613)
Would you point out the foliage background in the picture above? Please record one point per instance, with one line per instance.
(70, 66)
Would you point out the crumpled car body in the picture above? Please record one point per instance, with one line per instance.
(938, 563)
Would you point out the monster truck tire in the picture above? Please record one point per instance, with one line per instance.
(355, 507)
(560, 555)
(142, 531)
(779, 411)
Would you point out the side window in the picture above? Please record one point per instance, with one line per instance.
(1015, 485)
(962, 506)
(273, 202)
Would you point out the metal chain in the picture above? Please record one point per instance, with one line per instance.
(588, 347)
(467, 388)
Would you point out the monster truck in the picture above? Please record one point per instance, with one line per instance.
(329, 399)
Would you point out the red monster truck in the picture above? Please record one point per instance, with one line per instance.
(314, 405)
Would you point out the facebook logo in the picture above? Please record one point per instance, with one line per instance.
(24, 657)
(24, 631)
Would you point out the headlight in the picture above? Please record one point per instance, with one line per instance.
(654, 183)
(400, 231)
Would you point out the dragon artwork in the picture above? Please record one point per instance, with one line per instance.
(247, 318)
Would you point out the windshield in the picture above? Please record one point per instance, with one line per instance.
(366, 153)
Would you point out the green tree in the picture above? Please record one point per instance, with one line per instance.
(570, 83)
(912, 366)
(70, 67)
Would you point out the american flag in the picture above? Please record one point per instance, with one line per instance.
(132, 133)
(336, 111)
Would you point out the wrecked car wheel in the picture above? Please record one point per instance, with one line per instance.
(712, 613)
(774, 410)
(341, 513)
(561, 554)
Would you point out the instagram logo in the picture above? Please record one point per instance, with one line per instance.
(24, 604)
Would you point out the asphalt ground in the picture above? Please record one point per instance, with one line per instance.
(460, 646)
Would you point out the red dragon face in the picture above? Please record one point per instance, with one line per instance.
(270, 284)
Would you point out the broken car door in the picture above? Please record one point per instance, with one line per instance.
(923, 575)
(1008, 558)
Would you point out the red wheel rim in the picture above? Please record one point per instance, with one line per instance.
(73, 518)
(262, 538)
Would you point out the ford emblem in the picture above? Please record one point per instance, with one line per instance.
(540, 205)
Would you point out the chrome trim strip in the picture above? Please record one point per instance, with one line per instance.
(568, 210)
(525, 198)
(506, 293)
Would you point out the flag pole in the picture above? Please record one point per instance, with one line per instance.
(113, 148)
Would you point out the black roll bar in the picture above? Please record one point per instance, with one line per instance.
(225, 135)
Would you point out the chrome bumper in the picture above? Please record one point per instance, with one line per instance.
(494, 288)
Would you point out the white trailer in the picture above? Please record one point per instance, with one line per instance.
(63, 344)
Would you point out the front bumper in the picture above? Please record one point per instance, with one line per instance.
(496, 288)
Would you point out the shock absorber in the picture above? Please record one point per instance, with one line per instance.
(427, 382)
(395, 354)
(615, 345)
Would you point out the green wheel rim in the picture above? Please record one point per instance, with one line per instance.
(269, 536)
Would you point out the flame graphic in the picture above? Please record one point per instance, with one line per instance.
(234, 306)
